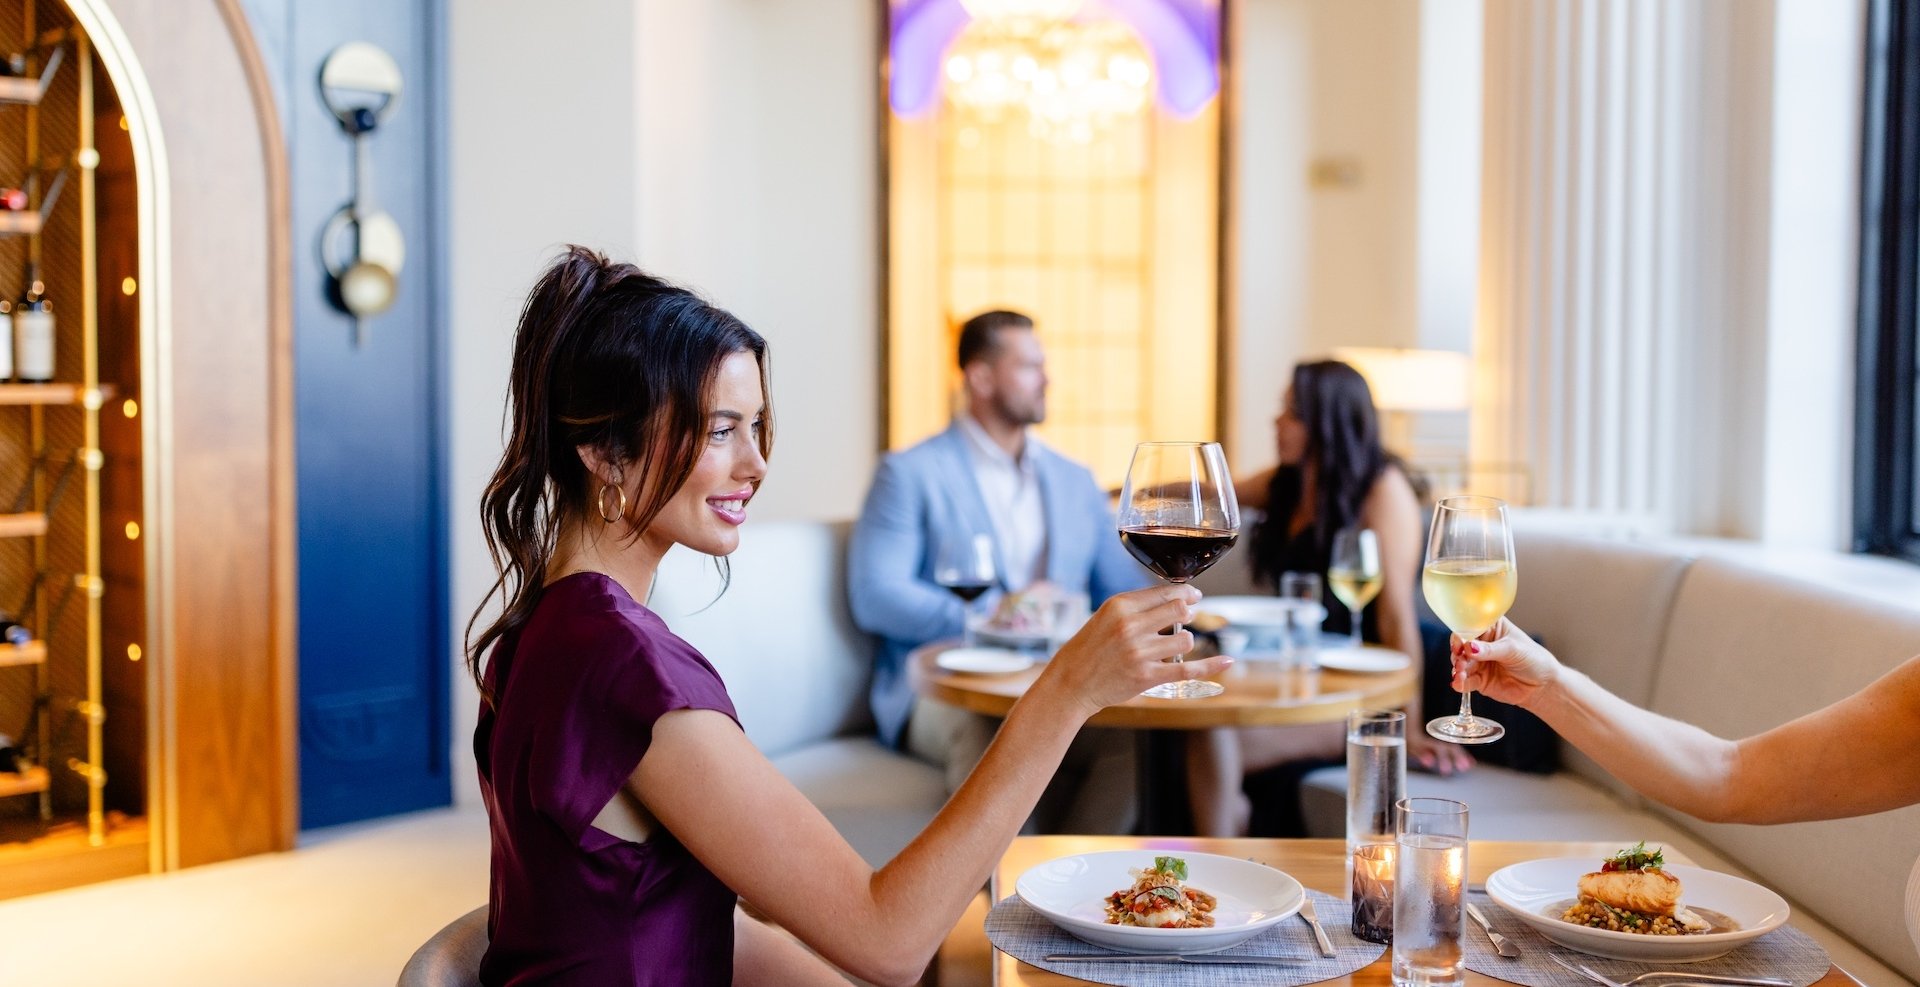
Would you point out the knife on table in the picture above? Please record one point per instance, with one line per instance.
(1501, 944)
(1319, 934)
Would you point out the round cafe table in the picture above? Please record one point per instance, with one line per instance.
(1258, 694)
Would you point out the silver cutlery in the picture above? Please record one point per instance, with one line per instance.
(1201, 959)
(1669, 975)
(1501, 944)
(1319, 934)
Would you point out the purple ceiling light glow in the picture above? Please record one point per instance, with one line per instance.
(1183, 35)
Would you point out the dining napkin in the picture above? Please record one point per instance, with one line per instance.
(1025, 934)
(1786, 953)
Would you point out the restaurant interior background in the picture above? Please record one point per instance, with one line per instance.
(1617, 239)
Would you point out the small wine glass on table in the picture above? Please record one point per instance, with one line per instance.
(964, 565)
(1469, 582)
(1354, 573)
(1178, 516)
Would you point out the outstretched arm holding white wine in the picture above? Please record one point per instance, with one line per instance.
(1469, 582)
(1852, 758)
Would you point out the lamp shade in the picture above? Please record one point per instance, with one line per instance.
(1411, 380)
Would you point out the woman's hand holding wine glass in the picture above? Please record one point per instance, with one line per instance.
(1121, 652)
(1506, 664)
(1178, 516)
(1469, 582)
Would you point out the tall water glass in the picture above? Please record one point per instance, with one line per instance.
(1300, 643)
(1376, 774)
(1429, 888)
(1376, 781)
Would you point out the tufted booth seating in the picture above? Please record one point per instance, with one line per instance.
(797, 668)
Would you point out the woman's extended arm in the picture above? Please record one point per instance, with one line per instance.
(1851, 758)
(718, 795)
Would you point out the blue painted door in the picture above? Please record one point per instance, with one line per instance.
(373, 657)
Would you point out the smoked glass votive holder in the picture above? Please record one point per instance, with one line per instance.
(1373, 892)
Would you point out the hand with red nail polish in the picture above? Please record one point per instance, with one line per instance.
(1505, 664)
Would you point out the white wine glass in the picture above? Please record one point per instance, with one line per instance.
(1178, 516)
(1354, 573)
(1469, 582)
(963, 564)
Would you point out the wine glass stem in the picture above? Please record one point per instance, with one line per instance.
(1178, 659)
(1466, 706)
(1353, 633)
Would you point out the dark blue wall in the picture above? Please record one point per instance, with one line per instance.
(369, 426)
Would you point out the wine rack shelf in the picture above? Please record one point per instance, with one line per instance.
(30, 524)
(29, 92)
(19, 221)
(25, 782)
(30, 653)
(48, 394)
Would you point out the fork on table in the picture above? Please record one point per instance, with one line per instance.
(1670, 975)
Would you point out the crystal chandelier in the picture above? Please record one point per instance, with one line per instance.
(1070, 78)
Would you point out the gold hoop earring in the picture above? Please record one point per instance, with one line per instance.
(620, 513)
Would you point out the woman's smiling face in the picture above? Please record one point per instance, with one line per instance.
(707, 511)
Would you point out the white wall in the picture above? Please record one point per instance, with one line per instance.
(728, 144)
(759, 184)
(1333, 262)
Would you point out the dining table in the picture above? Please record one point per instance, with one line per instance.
(1316, 863)
(1258, 693)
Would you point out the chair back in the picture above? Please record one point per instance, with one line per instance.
(452, 957)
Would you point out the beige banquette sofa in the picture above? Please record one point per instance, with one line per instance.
(1731, 640)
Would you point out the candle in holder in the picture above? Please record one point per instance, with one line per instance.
(1373, 892)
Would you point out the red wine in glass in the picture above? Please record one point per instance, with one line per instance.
(1178, 516)
(968, 592)
(1177, 554)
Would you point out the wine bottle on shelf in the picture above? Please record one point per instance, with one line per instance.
(33, 335)
(13, 63)
(13, 199)
(12, 631)
(6, 339)
(11, 758)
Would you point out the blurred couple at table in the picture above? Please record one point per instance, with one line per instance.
(1052, 530)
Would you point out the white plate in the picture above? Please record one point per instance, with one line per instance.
(982, 661)
(1363, 659)
(1533, 892)
(1072, 893)
(1259, 612)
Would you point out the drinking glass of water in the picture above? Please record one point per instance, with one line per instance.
(1429, 891)
(1376, 783)
(1304, 614)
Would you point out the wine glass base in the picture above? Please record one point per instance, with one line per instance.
(1458, 730)
(1188, 689)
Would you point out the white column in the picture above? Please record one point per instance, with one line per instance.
(1623, 165)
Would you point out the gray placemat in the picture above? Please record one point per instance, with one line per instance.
(1026, 935)
(1786, 953)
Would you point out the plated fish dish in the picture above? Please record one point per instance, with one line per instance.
(1633, 893)
(1160, 899)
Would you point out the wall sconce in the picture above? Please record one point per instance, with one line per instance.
(360, 84)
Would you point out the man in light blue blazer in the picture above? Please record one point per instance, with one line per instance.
(986, 474)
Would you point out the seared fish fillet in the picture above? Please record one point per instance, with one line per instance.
(1649, 892)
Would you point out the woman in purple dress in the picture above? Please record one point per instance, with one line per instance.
(628, 809)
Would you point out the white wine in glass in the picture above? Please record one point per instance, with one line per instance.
(1178, 516)
(1469, 582)
(1354, 573)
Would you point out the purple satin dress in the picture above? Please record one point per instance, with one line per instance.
(577, 690)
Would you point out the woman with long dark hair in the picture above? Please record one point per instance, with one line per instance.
(1333, 474)
(627, 808)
